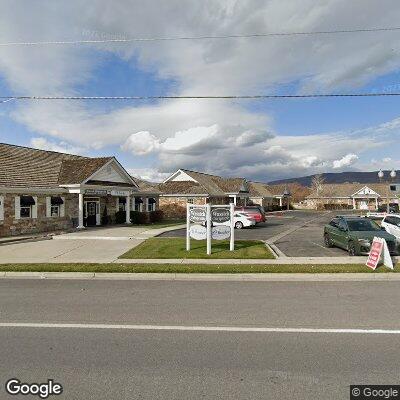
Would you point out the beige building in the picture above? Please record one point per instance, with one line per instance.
(43, 191)
(358, 196)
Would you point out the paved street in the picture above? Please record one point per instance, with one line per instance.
(305, 241)
(150, 363)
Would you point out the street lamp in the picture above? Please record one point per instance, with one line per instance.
(381, 176)
(287, 194)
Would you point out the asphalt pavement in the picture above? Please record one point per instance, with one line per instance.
(163, 362)
(301, 231)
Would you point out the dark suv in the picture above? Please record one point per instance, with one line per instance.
(355, 234)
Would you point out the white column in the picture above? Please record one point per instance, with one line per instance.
(187, 227)
(128, 209)
(146, 204)
(245, 201)
(234, 199)
(376, 203)
(208, 208)
(232, 241)
(354, 203)
(80, 215)
(280, 202)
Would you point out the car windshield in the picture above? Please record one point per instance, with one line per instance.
(362, 225)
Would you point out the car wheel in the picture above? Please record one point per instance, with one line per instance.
(352, 249)
(239, 225)
(327, 241)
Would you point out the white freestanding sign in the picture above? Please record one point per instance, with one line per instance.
(379, 252)
(202, 215)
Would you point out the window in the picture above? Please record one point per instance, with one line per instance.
(55, 206)
(122, 203)
(138, 203)
(190, 201)
(151, 204)
(26, 206)
(334, 222)
(392, 221)
(342, 225)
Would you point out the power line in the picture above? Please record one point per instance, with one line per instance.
(173, 38)
(234, 97)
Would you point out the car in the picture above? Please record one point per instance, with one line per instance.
(391, 223)
(240, 220)
(255, 212)
(355, 234)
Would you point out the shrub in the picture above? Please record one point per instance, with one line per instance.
(120, 217)
(138, 217)
(156, 216)
(174, 211)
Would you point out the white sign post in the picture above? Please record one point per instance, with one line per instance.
(202, 215)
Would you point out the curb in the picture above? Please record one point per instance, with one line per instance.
(259, 277)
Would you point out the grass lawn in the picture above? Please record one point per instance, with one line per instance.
(162, 224)
(176, 248)
(193, 268)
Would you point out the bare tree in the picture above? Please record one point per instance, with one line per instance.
(317, 183)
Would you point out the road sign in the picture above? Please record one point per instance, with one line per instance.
(220, 215)
(197, 215)
(221, 232)
(198, 232)
(379, 248)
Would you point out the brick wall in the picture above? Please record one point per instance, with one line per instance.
(11, 226)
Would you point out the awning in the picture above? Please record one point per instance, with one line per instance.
(27, 201)
(56, 201)
(138, 200)
(152, 200)
(122, 200)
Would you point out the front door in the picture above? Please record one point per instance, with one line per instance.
(363, 205)
(90, 213)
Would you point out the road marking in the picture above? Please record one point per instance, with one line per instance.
(196, 328)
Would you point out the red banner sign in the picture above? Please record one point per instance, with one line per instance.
(375, 253)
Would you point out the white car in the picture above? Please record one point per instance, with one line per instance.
(240, 220)
(391, 223)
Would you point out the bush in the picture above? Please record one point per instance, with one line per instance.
(174, 211)
(120, 217)
(156, 216)
(139, 218)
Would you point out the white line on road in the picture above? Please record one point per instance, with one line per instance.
(196, 328)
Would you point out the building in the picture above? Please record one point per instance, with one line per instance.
(358, 196)
(185, 186)
(260, 193)
(42, 191)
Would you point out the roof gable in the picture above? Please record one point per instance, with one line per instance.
(365, 191)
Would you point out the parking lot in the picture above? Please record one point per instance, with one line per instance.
(295, 233)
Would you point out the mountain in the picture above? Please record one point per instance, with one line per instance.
(338, 177)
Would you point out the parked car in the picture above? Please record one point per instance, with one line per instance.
(240, 220)
(355, 234)
(391, 223)
(255, 212)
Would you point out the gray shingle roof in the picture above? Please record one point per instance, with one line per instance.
(347, 189)
(24, 167)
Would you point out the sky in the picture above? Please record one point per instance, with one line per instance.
(261, 140)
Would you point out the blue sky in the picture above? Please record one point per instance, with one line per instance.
(263, 139)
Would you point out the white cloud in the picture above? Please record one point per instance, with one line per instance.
(345, 161)
(61, 147)
(148, 174)
(219, 136)
(141, 143)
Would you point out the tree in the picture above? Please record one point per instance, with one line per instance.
(317, 184)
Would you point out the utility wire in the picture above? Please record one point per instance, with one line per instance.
(238, 97)
(173, 38)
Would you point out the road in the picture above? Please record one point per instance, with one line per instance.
(98, 360)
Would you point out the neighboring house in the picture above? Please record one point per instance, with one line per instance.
(358, 196)
(260, 193)
(42, 191)
(185, 186)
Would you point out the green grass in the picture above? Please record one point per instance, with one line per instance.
(176, 248)
(193, 268)
(162, 224)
